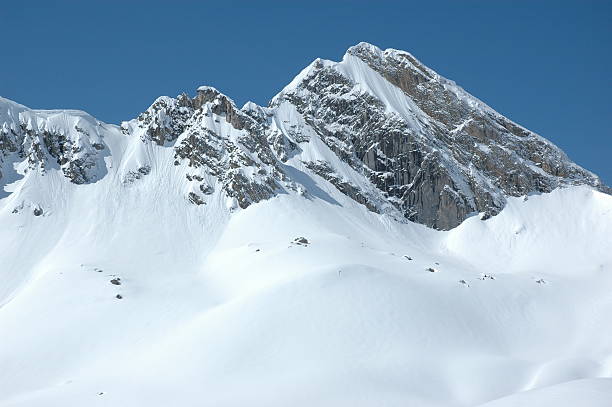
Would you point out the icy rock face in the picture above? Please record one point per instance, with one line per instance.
(69, 140)
(433, 150)
(211, 135)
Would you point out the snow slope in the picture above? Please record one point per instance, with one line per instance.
(225, 310)
(591, 392)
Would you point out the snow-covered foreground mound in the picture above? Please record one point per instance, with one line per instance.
(227, 309)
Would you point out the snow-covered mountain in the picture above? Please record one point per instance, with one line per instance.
(379, 125)
(205, 254)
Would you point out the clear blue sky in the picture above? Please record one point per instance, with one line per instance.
(545, 64)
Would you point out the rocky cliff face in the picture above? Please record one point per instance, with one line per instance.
(434, 151)
(379, 126)
(211, 137)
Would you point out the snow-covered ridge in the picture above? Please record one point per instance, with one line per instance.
(420, 146)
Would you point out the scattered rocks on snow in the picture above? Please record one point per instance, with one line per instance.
(465, 283)
(118, 296)
(486, 276)
(408, 257)
(431, 270)
(541, 281)
(38, 211)
(116, 281)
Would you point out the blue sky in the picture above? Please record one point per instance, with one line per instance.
(545, 64)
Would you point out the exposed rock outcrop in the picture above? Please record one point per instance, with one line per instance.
(71, 141)
(436, 152)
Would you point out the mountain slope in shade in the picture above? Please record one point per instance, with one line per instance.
(205, 254)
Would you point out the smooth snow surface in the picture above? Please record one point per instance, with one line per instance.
(225, 309)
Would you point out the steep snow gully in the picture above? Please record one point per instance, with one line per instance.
(376, 236)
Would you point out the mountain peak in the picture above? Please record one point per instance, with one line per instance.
(369, 51)
(436, 152)
(379, 126)
(363, 46)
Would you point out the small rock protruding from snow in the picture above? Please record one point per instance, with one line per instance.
(116, 281)
(132, 176)
(541, 281)
(206, 189)
(302, 241)
(195, 199)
